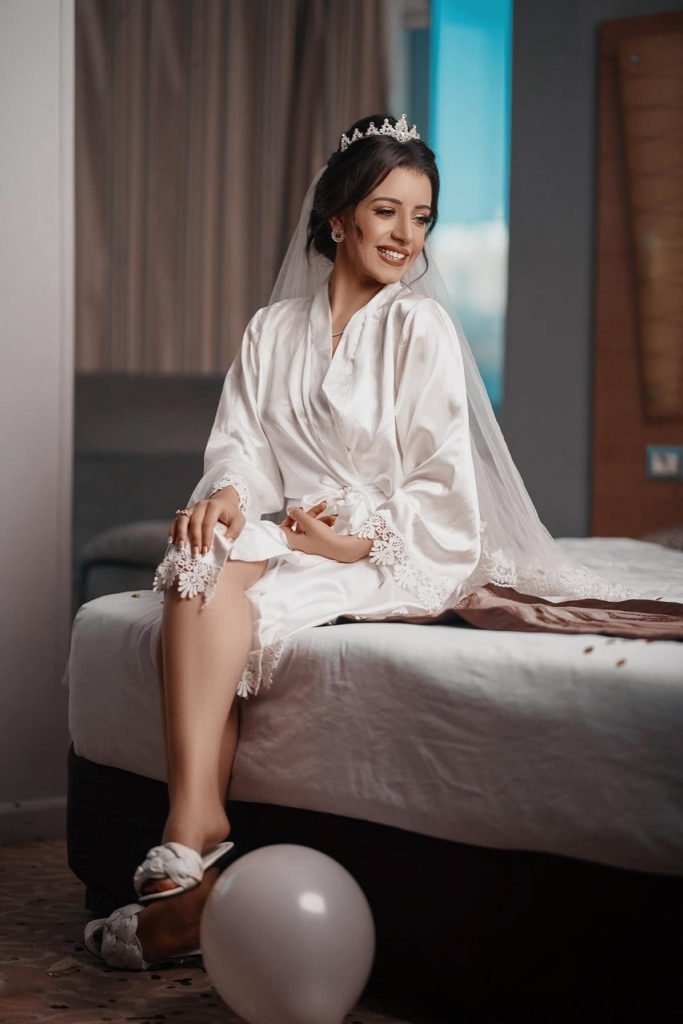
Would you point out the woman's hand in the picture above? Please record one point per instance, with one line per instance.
(306, 532)
(197, 527)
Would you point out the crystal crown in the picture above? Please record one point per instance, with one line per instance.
(399, 131)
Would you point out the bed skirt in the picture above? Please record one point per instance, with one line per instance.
(521, 935)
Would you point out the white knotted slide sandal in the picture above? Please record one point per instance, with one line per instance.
(114, 939)
(180, 863)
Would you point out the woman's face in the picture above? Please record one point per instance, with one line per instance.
(386, 233)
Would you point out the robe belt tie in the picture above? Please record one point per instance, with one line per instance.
(351, 503)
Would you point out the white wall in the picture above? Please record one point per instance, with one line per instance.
(548, 348)
(36, 374)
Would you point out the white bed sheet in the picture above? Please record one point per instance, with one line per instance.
(558, 743)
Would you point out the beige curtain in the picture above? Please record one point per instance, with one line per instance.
(199, 124)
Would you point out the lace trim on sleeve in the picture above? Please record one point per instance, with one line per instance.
(228, 480)
(194, 574)
(389, 549)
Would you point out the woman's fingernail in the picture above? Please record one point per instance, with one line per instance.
(204, 549)
(170, 540)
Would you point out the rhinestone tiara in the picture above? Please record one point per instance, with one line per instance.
(399, 131)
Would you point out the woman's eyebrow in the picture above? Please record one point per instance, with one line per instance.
(390, 199)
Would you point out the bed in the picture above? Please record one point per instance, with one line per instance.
(512, 803)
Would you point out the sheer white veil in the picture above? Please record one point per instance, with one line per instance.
(516, 549)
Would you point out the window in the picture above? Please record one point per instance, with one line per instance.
(469, 119)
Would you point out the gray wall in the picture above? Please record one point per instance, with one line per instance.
(36, 328)
(138, 447)
(547, 401)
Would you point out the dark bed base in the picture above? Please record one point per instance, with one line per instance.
(524, 936)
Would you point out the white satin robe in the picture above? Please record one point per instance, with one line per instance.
(379, 429)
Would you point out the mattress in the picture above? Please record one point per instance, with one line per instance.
(565, 744)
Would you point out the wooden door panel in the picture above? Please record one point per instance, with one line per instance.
(638, 196)
(650, 73)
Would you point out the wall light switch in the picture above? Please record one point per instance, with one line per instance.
(664, 462)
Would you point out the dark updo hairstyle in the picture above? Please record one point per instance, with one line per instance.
(352, 174)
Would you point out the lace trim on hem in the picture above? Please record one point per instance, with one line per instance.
(258, 672)
(228, 480)
(194, 575)
(389, 549)
(558, 578)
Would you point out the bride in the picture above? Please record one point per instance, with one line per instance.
(354, 404)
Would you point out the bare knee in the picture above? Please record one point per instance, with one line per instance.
(234, 579)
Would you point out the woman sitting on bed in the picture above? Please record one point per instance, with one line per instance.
(348, 405)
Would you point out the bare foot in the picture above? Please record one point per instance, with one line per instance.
(170, 928)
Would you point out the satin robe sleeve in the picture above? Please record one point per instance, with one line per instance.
(238, 451)
(427, 531)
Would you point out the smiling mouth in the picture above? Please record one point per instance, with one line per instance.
(392, 254)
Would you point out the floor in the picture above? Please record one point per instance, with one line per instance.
(46, 974)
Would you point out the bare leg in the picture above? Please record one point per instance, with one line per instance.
(204, 653)
(228, 743)
(228, 750)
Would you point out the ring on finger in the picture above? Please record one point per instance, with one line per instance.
(183, 512)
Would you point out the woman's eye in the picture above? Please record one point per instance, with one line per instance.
(384, 211)
(422, 220)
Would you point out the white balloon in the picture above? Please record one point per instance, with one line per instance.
(288, 937)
